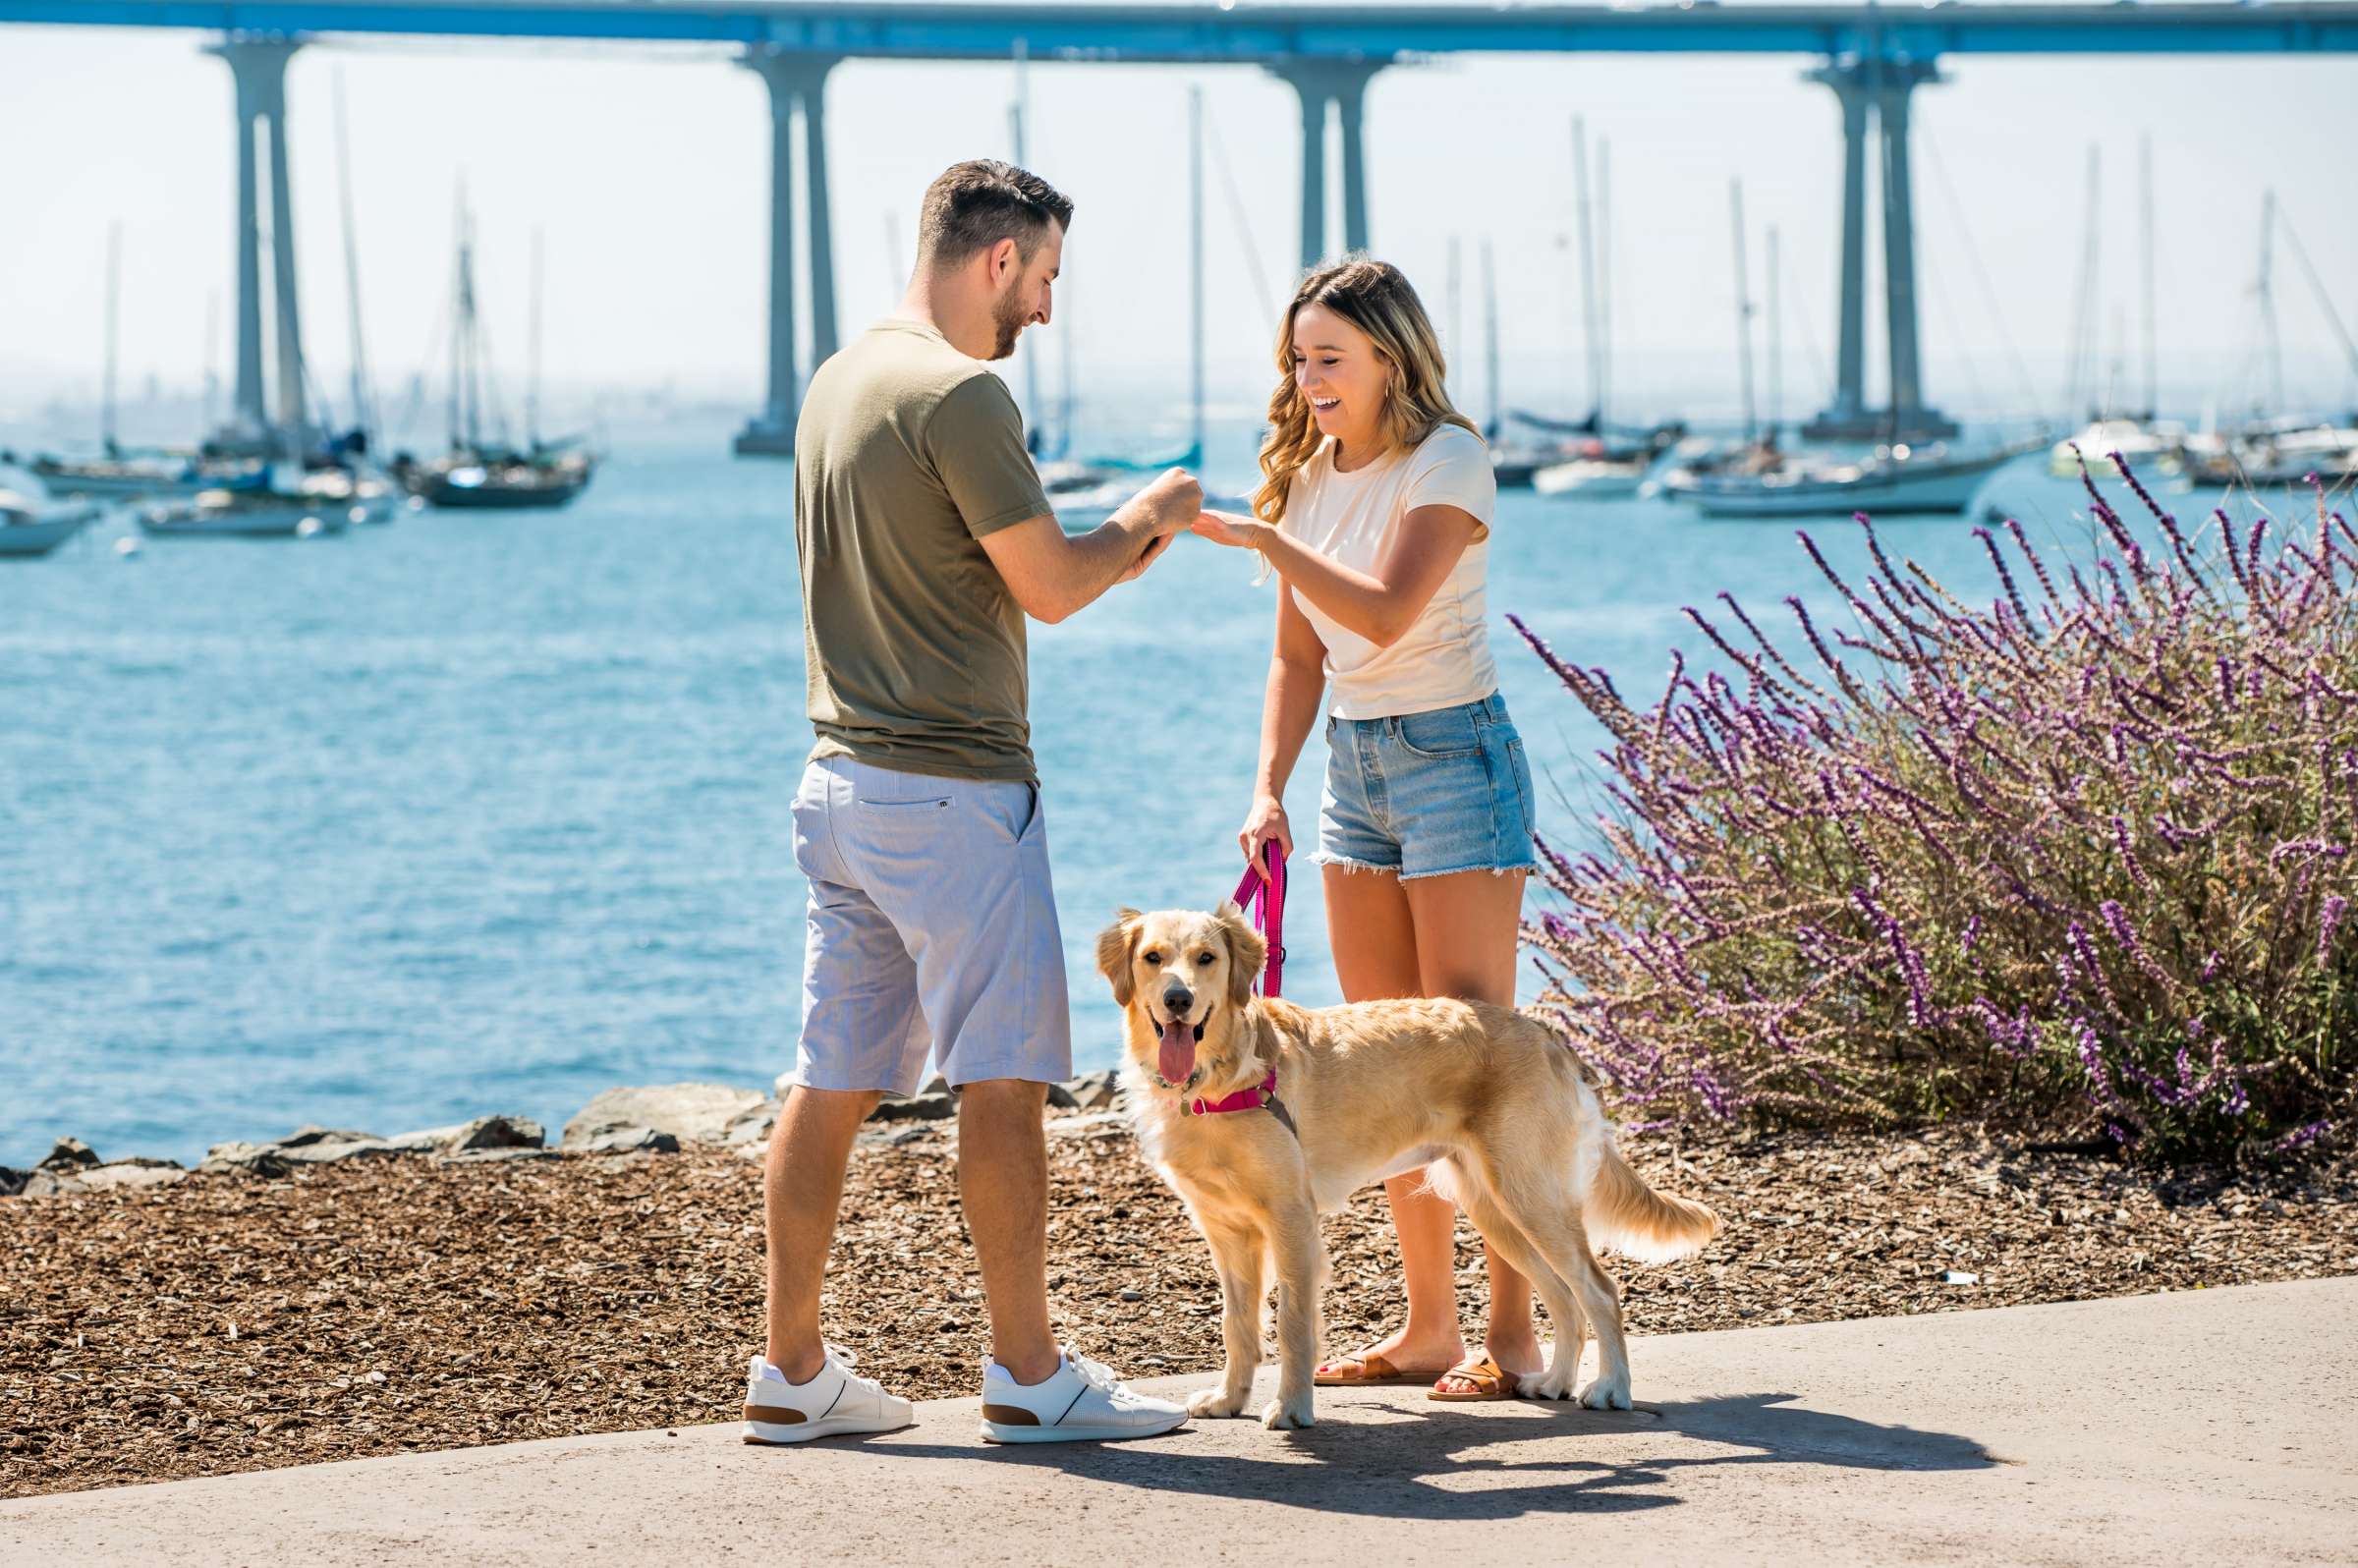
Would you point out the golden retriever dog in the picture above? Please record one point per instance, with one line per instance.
(1490, 1098)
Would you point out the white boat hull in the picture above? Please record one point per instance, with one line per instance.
(28, 534)
(1590, 480)
(1948, 486)
(258, 518)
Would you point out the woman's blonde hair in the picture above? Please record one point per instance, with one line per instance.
(1375, 298)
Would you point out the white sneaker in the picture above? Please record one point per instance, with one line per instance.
(1082, 1401)
(832, 1403)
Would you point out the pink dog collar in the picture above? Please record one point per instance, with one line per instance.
(1254, 1098)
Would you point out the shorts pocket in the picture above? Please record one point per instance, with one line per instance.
(1443, 733)
(1014, 809)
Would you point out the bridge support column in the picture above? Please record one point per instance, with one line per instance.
(795, 81)
(1343, 84)
(258, 66)
(1877, 87)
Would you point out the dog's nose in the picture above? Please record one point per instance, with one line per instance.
(1177, 1000)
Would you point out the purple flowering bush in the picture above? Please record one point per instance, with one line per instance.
(2077, 860)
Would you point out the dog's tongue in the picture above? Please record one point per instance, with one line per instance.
(1178, 1058)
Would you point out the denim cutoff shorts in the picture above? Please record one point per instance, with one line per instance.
(1428, 794)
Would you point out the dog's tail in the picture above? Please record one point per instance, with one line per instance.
(1629, 1217)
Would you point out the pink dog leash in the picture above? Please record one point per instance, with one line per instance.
(1265, 889)
(1263, 894)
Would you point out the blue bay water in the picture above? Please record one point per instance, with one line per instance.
(478, 813)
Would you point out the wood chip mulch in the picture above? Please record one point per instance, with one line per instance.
(378, 1305)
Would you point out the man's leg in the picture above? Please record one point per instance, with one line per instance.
(1003, 1184)
(803, 1188)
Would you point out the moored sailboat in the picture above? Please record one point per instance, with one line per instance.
(480, 473)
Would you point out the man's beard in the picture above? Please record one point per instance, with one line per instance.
(1010, 317)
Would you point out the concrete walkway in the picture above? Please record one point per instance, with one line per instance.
(2218, 1426)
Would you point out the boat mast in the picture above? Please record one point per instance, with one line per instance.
(2145, 191)
(458, 314)
(531, 384)
(2081, 379)
(1776, 346)
(1605, 276)
(1490, 336)
(362, 410)
(114, 290)
(1587, 266)
(2267, 292)
(1015, 126)
(1195, 271)
(1735, 191)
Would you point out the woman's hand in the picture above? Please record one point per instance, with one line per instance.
(1265, 821)
(1226, 527)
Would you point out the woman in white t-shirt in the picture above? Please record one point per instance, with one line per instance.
(1375, 510)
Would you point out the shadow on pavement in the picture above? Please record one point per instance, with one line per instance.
(1432, 1462)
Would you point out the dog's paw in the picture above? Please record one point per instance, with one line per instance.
(1550, 1384)
(1607, 1393)
(1213, 1403)
(1289, 1414)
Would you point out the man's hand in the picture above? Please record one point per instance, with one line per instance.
(1172, 502)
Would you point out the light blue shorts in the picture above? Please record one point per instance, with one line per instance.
(1428, 794)
(932, 930)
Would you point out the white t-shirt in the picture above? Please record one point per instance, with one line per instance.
(1444, 660)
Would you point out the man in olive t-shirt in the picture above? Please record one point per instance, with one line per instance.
(924, 542)
(907, 456)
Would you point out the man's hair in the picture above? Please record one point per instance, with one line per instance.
(976, 205)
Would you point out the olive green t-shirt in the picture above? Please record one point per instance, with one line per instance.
(906, 455)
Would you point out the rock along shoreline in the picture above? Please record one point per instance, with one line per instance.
(654, 1119)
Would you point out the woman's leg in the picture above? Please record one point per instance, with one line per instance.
(1465, 927)
(1375, 956)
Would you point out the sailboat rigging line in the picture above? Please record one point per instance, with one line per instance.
(1262, 292)
(1973, 254)
(1955, 328)
(1809, 351)
(2316, 287)
(415, 410)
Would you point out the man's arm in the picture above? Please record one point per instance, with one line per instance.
(1052, 574)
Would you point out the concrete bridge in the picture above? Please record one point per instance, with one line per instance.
(1872, 58)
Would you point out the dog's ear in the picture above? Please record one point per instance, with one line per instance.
(1116, 944)
(1247, 953)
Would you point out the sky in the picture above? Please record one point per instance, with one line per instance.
(647, 174)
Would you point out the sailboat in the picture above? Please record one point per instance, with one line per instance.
(2148, 443)
(1083, 494)
(492, 474)
(120, 472)
(2281, 448)
(1594, 460)
(304, 490)
(1897, 476)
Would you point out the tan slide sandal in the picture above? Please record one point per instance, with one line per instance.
(1489, 1382)
(1364, 1370)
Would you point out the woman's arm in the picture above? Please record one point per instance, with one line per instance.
(1290, 706)
(1381, 606)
